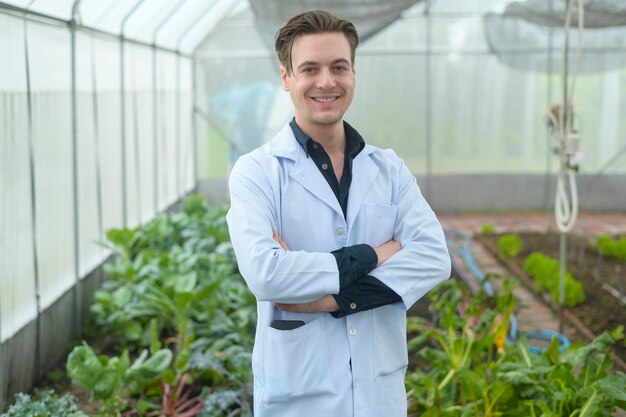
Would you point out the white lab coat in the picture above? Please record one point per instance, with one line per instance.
(352, 366)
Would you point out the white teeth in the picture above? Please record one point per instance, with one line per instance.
(325, 100)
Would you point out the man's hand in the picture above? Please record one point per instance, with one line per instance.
(387, 250)
(278, 239)
(325, 304)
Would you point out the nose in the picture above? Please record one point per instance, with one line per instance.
(326, 79)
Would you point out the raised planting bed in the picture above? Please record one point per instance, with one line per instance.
(600, 276)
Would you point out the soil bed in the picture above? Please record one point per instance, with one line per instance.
(600, 311)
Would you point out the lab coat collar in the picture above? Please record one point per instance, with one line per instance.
(284, 144)
(364, 172)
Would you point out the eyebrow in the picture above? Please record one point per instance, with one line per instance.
(313, 63)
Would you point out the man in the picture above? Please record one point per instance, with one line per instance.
(335, 241)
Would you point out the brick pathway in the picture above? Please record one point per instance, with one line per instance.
(590, 224)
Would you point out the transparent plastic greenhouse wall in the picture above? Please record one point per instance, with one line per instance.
(49, 234)
(429, 86)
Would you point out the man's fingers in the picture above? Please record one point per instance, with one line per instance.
(278, 239)
(286, 307)
(324, 304)
(293, 308)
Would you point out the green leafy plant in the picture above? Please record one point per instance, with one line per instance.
(487, 229)
(469, 375)
(106, 377)
(219, 403)
(226, 366)
(44, 403)
(469, 334)
(175, 284)
(545, 273)
(179, 269)
(509, 246)
(612, 248)
(178, 400)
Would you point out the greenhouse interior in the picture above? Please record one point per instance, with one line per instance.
(122, 294)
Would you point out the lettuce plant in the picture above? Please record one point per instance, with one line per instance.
(612, 248)
(509, 246)
(487, 229)
(545, 273)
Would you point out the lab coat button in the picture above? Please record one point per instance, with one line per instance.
(339, 231)
(352, 331)
(352, 306)
(324, 167)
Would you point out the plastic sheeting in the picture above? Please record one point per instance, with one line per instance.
(178, 25)
(65, 175)
(529, 35)
(428, 86)
(597, 13)
(369, 17)
(17, 286)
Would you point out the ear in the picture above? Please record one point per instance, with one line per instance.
(283, 77)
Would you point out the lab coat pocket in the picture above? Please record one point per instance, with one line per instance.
(390, 350)
(380, 220)
(296, 363)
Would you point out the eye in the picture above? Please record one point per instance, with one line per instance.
(308, 70)
(341, 68)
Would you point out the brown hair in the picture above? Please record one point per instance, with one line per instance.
(314, 21)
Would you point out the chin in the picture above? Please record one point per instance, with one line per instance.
(328, 120)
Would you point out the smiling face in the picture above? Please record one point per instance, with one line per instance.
(322, 82)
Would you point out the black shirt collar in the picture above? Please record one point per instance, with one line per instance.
(354, 141)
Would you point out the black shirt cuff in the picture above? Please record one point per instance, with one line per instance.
(353, 262)
(365, 294)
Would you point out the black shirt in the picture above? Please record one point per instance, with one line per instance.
(358, 291)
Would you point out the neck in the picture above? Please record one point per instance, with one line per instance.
(331, 137)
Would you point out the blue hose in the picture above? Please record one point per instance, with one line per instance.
(513, 334)
(468, 258)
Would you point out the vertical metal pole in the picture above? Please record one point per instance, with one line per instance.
(155, 130)
(33, 197)
(428, 110)
(123, 132)
(549, 145)
(97, 155)
(564, 122)
(562, 270)
(78, 290)
(179, 193)
(136, 149)
(194, 139)
(123, 112)
(78, 309)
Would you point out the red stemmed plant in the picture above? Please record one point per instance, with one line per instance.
(178, 401)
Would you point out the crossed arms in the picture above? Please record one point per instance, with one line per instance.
(328, 303)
